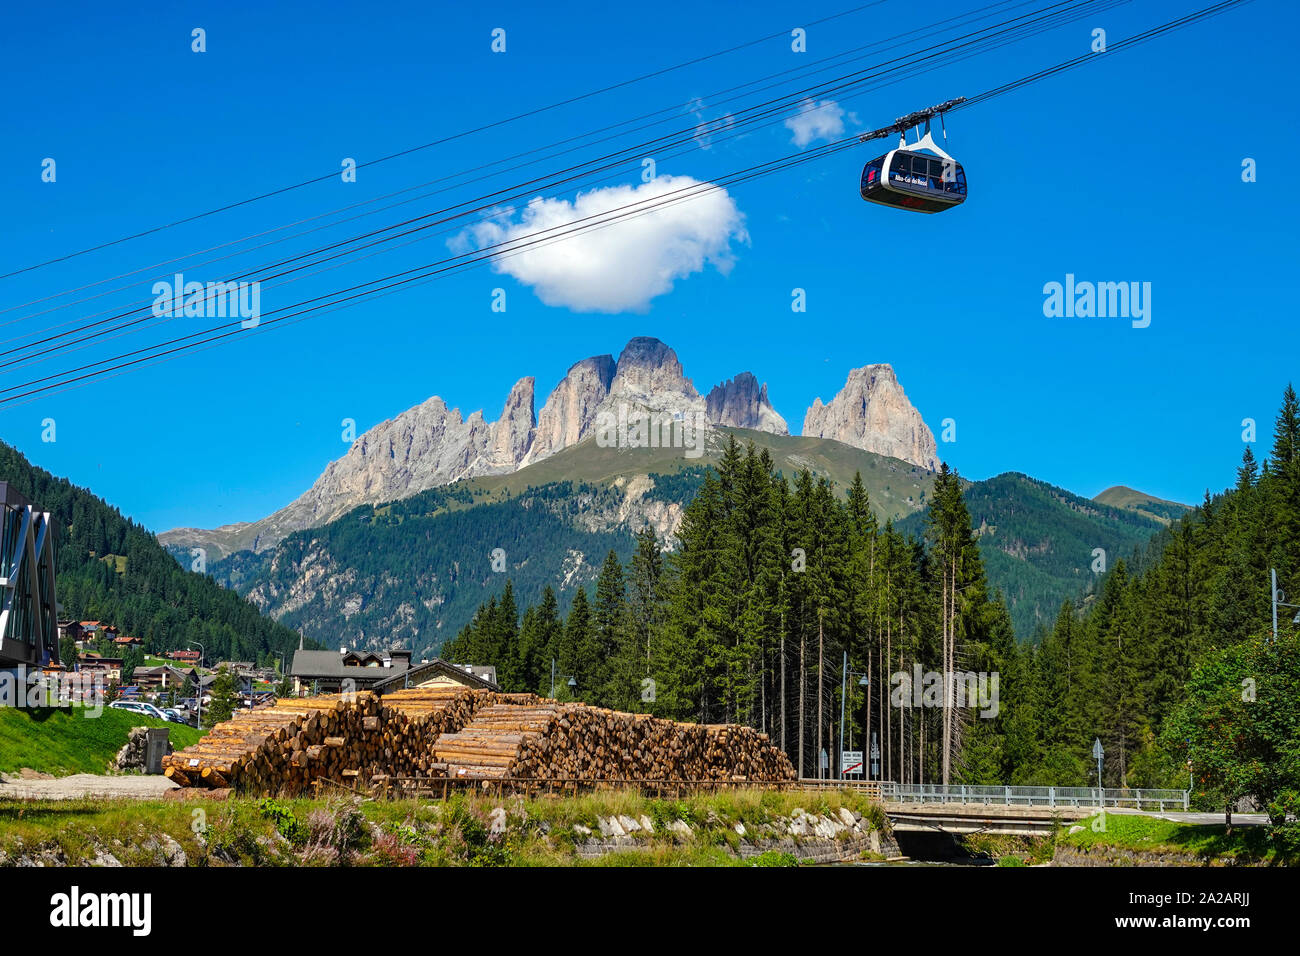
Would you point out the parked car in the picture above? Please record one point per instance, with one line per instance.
(138, 707)
(176, 716)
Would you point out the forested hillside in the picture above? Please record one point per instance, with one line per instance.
(774, 581)
(111, 569)
(1122, 669)
(396, 574)
(1040, 543)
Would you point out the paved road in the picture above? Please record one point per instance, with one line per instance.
(137, 786)
(1178, 816)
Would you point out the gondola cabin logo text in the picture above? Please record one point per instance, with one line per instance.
(75, 910)
(1100, 300)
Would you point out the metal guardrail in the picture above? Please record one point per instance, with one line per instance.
(1050, 797)
(964, 794)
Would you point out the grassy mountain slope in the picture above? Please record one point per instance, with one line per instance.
(1120, 496)
(1038, 542)
(110, 568)
(896, 488)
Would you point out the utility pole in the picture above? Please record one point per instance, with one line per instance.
(198, 690)
(1099, 752)
(1279, 600)
(844, 668)
(572, 682)
(863, 681)
(1273, 573)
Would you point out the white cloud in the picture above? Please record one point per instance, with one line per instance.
(824, 120)
(618, 267)
(706, 128)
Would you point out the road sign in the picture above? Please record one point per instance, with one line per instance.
(850, 762)
(1097, 751)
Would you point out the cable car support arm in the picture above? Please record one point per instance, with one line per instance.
(904, 123)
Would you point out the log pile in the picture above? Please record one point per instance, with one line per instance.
(546, 740)
(286, 747)
(453, 731)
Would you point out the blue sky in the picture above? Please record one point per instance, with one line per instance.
(1128, 169)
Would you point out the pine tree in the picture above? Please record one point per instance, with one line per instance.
(224, 699)
(646, 591)
(1286, 434)
(957, 565)
(1248, 473)
(540, 634)
(575, 656)
(610, 625)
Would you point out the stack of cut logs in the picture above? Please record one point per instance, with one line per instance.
(454, 731)
(286, 747)
(543, 739)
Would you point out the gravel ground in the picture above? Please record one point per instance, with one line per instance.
(31, 787)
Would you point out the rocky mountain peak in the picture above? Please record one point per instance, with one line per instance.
(570, 411)
(872, 412)
(431, 444)
(512, 434)
(647, 367)
(742, 403)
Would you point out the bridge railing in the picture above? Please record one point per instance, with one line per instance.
(1141, 799)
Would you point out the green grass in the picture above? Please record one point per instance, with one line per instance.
(1008, 849)
(1158, 509)
(63, 740)
(1162, 837)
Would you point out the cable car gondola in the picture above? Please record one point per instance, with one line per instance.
(907, 178)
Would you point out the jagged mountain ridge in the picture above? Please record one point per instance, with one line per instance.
(432, 445)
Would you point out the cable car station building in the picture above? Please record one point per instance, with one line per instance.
(29, 626)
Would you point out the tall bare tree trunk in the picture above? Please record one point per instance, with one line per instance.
(803, 685)
(881, 692)
(921, 768)
(949, 659)
(820, 689)
(866, 742)
(783, 715)
(889, 717)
